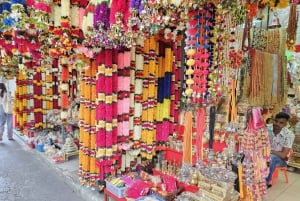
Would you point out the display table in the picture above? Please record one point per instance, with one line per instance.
(108, 194)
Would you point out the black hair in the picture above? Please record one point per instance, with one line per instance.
(3, 87)
(282, 115)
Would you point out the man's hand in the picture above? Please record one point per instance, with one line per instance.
(282, 154)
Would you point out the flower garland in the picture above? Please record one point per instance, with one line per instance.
(132, 88)
(106, 114)
(138, 90)
(84, 126)
(163, 126)
(101, 15)
(149, 97)
(88, 170)
(123, 93)
(199, 48)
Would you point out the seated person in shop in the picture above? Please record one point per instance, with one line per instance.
(281, 139)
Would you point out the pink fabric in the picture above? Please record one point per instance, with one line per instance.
(138, 189)
(258, 121)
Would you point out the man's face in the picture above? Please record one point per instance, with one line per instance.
(278, 124)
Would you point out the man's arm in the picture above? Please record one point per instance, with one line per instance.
(282, 154)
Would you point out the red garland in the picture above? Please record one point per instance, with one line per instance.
(120, 6)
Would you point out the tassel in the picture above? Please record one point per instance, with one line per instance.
(187, 138)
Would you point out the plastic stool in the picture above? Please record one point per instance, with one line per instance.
(276, 173)
(282, 168)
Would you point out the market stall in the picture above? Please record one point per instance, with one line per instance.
(159, 99)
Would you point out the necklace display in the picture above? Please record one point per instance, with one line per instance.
(292, 26)
(267, 70)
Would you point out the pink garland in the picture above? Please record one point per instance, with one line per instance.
(30, 3)
(41, 6)
(120, 6)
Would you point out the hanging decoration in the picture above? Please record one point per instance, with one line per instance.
(149, 97)
(163, 119)
(256, 146)
(276, 3)
(138, 90)
(201, 75)
(88, 171)
(292, 27)
(106, 115)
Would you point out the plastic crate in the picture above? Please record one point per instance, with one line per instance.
(119, 192)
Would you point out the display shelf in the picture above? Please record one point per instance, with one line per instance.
(296, 154)
(295, 161)
(294, 164)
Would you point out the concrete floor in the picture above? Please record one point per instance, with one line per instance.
(24, 176)
(29, 175)
(282, 191)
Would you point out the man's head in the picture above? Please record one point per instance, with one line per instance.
(280, 121)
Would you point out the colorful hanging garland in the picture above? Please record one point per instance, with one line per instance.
(198, 50)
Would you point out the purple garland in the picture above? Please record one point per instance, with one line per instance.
(137, 5)
(101, 15)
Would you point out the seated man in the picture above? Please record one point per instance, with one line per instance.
(282, 140)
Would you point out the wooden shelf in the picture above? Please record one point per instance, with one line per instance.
(294, 164)
(296, 154)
